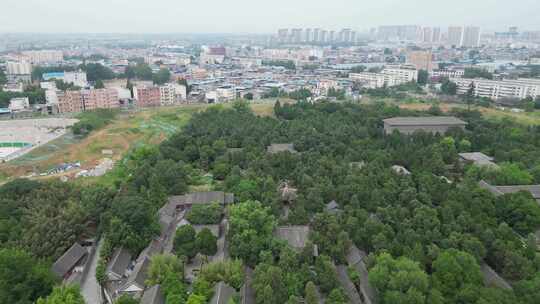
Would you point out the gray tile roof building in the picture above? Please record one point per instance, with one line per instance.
(153, 295)
(356, 258)
(276, 148)
(222, 294)
(180, 202)
(135, 281)
(247, 292)
(492, 279)
(534, 190)
(348, 286)
(478, 158)
(296, 236)
(120, 261)
(433, 124)
(69, 260)
(213, 228)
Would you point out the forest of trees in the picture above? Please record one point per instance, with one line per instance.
(426, 238)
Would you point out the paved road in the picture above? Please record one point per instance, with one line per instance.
(90, 288)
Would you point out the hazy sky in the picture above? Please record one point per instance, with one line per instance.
(256, 16)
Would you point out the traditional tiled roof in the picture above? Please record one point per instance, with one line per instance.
(119, 262)
(153, 295)
(222, 293)
(69, 260)
(424, 121)
(296, 236)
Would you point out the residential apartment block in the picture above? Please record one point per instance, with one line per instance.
(100, 99)
(147, 96)
(85, 100)
(457, 73)
(172, 93)
(19, 68)
(70, 102)
(390, 76)
(37, 57)
(421, 60)
(496, 89)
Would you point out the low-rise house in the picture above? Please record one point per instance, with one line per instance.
(277, 148)
(182, 202)
(70, 261)
(492, 279)
(118, 264)
(332, 207)
(348, 285)
(247, 293)
(434, 124)
(215, 229)
(295, 236)
(153, 295)
(135, 284)
(478, 159)
(356, 258)
(222, 293)
(534, 190)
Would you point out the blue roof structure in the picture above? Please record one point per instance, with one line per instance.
(57, 75)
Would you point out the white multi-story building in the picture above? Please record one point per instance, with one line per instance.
(76, 78)
(458, 73)
(19, 68)
(496, 89)
(221, 94)
(19, 104)
(172, 93)
(471, 37)
(51, 96)
(369, 80)
(401, 74)
(37, 57)
(391, 76)
(455, 36)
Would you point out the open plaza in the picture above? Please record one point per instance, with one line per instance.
(18, 137)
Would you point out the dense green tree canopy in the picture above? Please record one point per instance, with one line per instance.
(64, 295)
(23, 279)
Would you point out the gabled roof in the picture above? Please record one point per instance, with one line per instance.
(348, 286)
(534, 190)
(165, 222)
(296, 236)
(424, 121)
(247, 291)
(155, 247)
(332, 206)
(276, 148)
(222, 293)
(213, 228)
(138, 276)
(199, 198)
(69, 259)
(478, 158)
(491, 278)
(356, 258)
(153, 295)
(119, 261)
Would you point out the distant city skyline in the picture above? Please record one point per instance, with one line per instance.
(243, 16)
